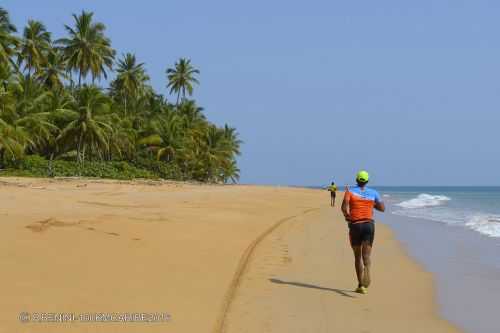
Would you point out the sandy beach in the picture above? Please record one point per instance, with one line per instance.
(215, 258)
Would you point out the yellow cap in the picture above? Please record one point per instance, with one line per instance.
(362, 176)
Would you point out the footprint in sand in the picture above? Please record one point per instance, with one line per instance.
(44, 225)
(105, 204)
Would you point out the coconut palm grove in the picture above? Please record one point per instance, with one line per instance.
(56, 118)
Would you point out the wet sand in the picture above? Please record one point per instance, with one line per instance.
(465, 267)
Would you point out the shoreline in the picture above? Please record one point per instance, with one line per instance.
(216, 254)
(463, 263)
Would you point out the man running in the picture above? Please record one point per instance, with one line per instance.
(357, 207)
(333, 193)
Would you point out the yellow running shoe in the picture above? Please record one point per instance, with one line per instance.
(362, 290)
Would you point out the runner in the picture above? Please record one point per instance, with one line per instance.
(333, 193)
(357, 207)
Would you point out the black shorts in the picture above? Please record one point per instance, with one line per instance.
(361, 232)
(333, 194)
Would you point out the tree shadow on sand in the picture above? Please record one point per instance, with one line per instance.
(306, 285)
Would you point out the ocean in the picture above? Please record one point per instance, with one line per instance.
(454, 233)
(473, 208)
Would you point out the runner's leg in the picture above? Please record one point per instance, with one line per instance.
(366, 250)
(358, 263)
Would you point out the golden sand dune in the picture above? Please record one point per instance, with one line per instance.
(215, 258)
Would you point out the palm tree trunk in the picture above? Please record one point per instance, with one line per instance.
(79, 149)
(178, 96)
(2, 154)
(50, 168)
(26, 82)
(78, 156)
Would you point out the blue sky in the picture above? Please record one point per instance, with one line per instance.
(409, 91)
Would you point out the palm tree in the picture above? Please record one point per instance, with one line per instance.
(230, 171)
(217, 151)
(232, 139)
(5, 23)
(167, 137)
(206, 154)
(181, 78)
(13, 141)
(221, 146)
(8, 86)
(8, 42)
(41, 132)
(130, 83)
(27, 113)
(88, 129)
(122, 139)
(53, 71)
(34, 47)
(54, 102)
(29, 94)
(191, 113)
(87, 50)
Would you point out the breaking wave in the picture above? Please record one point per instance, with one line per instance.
(424, 200)
(486, 224)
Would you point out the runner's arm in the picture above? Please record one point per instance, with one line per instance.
(345, 205)
(380, 206)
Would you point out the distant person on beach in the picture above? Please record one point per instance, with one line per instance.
(357, 207)
(333, 193)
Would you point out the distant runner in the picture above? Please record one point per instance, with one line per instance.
(357, 207)
(333, 193)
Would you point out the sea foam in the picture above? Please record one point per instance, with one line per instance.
(430, 207)
(424, 200)
(486, 224)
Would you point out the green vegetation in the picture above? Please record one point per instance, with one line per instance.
(56, 120)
